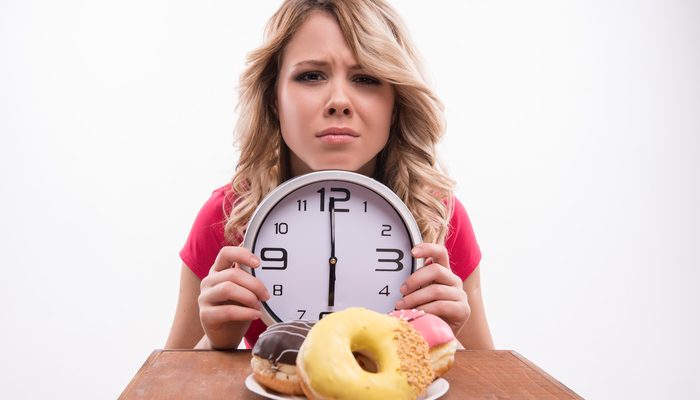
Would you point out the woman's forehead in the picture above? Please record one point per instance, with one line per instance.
(318, 42)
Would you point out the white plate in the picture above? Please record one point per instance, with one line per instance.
(434, 391)
(255, 387)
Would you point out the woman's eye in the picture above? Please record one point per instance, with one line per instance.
(310, 77)
(366, 80)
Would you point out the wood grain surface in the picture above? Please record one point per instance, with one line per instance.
(204, 374)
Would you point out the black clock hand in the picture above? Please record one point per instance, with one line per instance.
(332, 261)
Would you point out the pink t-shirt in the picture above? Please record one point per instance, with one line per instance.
(206, 238)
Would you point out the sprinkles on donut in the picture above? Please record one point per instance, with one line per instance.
(441, 340)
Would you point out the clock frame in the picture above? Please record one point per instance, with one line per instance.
(298, 198)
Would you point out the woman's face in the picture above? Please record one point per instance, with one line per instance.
(332, 114)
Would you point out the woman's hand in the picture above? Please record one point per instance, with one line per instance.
(230, 298)
(435, 288)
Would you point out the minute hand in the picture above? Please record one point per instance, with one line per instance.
(332, 261)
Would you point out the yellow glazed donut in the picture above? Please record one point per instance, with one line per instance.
(327, 361)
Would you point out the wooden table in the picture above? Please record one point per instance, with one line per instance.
(205, 374)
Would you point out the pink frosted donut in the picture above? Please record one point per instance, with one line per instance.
(437, 333)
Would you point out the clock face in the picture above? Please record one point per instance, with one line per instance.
(315, 229)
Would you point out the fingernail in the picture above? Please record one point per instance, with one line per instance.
(254, 261)
(416, 251)
(399, 305)
(403, 289)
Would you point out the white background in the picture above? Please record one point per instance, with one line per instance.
(573, 131)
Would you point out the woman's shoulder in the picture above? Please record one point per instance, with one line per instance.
(207, 236)
(461, 243)
(458, 210)
(221, 198)
(224, 193)
(212, 215)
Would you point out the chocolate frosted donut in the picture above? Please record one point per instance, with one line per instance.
(275, 355)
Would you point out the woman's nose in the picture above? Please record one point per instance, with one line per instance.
(338, 103)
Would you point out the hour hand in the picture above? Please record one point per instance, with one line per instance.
(331, 282)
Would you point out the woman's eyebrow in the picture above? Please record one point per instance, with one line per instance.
(321, 63)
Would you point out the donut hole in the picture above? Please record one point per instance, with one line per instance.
(365, 361)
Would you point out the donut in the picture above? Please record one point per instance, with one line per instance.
(397, 354)
(275, 355)
(441, 340)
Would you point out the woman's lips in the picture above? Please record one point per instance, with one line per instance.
(337, 135)
(337, 139)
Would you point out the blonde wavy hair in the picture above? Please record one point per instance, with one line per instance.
(408, 164)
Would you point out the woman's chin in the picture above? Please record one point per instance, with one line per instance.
(364, 169)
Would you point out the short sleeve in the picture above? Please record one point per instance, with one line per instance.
(461, 244)
(206, 237)
(204, 242)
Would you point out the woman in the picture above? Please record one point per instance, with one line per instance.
(335, 85)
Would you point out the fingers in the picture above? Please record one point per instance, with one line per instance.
(434, 288)
(434, 252)
(436, 269)
(228, 296)
(214, 317)
(432, 282)
(447, 302)
(226, 284)
(229, 256)
(428, 275)
(238, 277)
(231, 294)
(226, 292)
(454, 313)
(432, 293)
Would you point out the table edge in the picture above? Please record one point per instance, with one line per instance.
(147, 363)
(157, 352)
(542, 372)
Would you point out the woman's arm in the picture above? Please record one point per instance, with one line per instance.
(475, 334)
(186, 330)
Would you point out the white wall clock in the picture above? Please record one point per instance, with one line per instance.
(329, 240)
